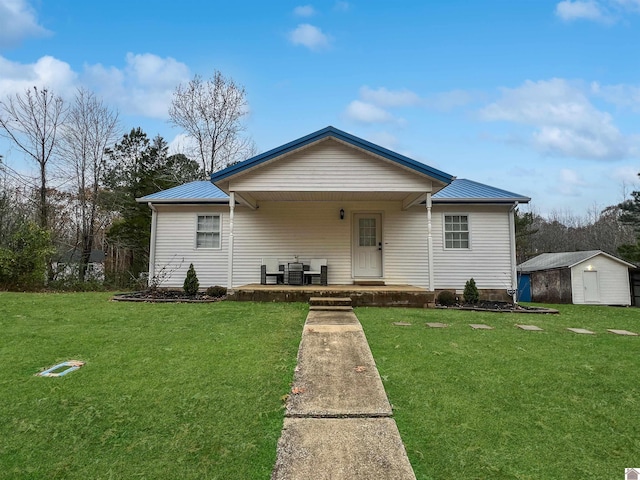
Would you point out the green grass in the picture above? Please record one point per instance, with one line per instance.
(511, 404)
(168, 390)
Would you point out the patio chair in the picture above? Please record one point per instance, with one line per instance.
(317, 269)
(271, 268)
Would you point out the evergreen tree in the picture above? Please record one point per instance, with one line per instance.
(191, 283)
(470, 293)
(136, 167)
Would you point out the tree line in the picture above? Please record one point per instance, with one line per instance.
(614, 230)
(88, 175)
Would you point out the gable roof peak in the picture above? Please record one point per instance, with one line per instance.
(332, 132)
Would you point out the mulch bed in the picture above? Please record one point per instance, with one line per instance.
(500, 307)
(159, 296)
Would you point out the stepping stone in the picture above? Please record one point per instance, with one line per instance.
(623, 332)
(436, 325)
(402, 324)
(581, 330)
(531, 328)
(480, 326)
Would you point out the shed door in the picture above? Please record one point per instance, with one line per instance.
(524, 287)
(590, 281)
(367, 245)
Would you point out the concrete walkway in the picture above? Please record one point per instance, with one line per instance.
(338, 422)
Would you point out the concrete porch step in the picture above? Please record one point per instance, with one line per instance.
(330, 302)
(330, 308)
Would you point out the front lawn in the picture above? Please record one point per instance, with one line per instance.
(168, 390)
(507, 403)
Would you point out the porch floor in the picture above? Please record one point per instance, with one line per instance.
(361, 295)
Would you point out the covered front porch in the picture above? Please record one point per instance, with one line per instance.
(361, 295)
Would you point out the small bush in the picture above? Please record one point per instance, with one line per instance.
(471, 294)
(446, 298)
(191, 283)
(217, 291)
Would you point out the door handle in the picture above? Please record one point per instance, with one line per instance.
(379, 245)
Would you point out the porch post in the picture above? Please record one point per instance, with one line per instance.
(232, 206)
(429, 242)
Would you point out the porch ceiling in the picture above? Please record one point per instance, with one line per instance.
(290, 196)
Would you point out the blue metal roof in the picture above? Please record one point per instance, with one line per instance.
(200, 191)
(340, 135)
(459, 191)
(468, 191)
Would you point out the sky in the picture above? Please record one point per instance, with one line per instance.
(541, 98)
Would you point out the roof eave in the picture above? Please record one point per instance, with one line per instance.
(158, 201)
(499, 201)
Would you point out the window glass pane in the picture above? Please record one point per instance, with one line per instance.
(367, 232)
(208, 231)
(456, 228)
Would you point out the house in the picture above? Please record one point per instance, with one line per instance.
(67, 265)
(591, 277)
(376, 216)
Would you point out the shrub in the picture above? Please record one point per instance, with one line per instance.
(191, 283)
(217, 291)
(446, 298)
(23, 258)
(471, 294)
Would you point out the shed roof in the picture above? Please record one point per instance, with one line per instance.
(548, 261)
(339, 135)
(462, 190)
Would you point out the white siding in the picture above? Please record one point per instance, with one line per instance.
(330, 166)
(487, 261)
(613, 281)
(406, 258)
(175, 246)
(314, 230)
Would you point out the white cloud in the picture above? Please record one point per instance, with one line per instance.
(447, 101)
(309, 36)
(342, 6)
(304, 11)
(46, 72)
(384, 139)
(569, 10)
(564, 120)
(144, 86)
(569, 182)
(389, 98)
(17, 22)
(632, 5)
(624, 96)
(367, 113)
(627, 174)
(603, 11)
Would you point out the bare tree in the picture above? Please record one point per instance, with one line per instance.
(211, 113)
(31, 121)
(90, 129)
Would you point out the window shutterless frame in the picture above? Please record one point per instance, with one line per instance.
(208, 231)
(456, 231)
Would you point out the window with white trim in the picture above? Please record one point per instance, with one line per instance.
(208, 231)
(456, 231)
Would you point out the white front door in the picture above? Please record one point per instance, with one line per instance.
(367, 245)
(590, 280)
